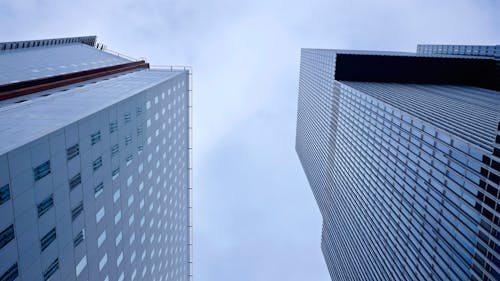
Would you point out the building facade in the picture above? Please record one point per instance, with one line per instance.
(402, 153)
(95, 169)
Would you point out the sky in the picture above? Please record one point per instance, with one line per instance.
(255, 217)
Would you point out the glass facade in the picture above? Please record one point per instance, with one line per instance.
(97, 186)
(406, 175)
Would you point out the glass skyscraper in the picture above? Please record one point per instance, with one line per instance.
(402, 153)
(95, 169)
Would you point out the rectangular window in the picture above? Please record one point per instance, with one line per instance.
(4, 194)
(113, 127)
(11, 274)
(53, 267)
(114, 150)
(75, 181)
(73, 151)
(42, 170)
(81, 265)
(116, 196)
(95, 137)
(99, 215)
(97, 163)
(98, 189)
(128, 140)
(6, 236)
(139, 110)
(115, 172)
(129, 159)
(44, 206)
(127, 117)
(77, 210)
(79, 238)
(101, 239)
(140, 148)
(47, 239)
(139, 130)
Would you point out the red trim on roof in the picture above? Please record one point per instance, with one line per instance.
(18, 89)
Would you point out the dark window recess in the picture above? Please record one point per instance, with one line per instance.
(42, 170)
(73, 151)
(95, 137)
(113, 127)
(44, 206)
(495, 165)
(98, 189)
(128, 140)
(75, 181)
(127, 117)
(77, 211)
(140, 148)
(115, 172)
(497, 139)
(496, 152)
(4, 194)
(139, 110)
(6, 236)
(11, 274)
(97, 163)
(53, 267)
(492, 190)
(79, 238)
(486, 160)
(47, 239)
(114, 150)
(139, 130)
(129, 158)
(494, 178)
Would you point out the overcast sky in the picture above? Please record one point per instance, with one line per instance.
(255, 216)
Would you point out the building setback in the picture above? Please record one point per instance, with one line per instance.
(402, 153)
(95, 169)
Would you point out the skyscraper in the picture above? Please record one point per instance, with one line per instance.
(95, 169)
(402, 152)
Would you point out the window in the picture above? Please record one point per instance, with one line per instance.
(113, 127)
(11, 274)
(99, 215)
(45, 205)
(119, 259)
(118, 238)
(128, 140)
(6, 236)
(116, 196)
(101, 239)
(42, 170)
(139, 110)
(95, 137)
(118, 217)
(127, 117)
(103, 262)
(73, 151)
(98, 189)
(139, 130)
(75, 181)
(129, 159)
(81, 265)
(115, 172)
(97, 163)
(53, 267)
(77, 210)
(79, 238)
(114, 150)
(47, 239)
(4, 194)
